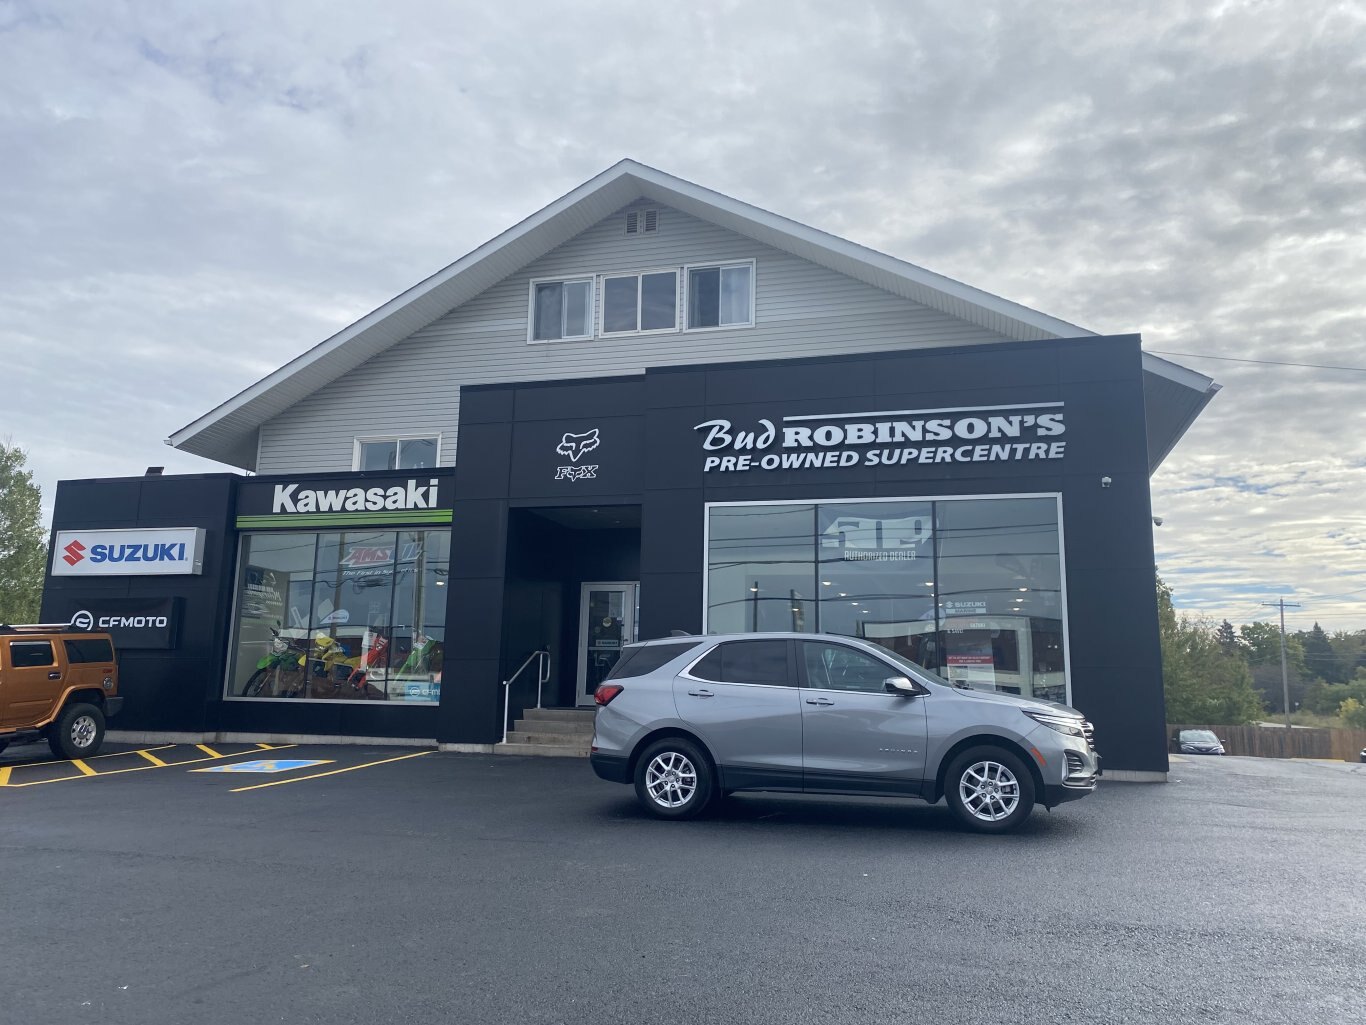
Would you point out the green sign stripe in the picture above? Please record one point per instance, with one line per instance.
(345, 518)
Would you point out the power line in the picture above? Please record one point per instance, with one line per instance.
(1263, 362)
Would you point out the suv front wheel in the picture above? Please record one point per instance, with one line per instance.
(989, 789)
(78, 732)
(674, 780)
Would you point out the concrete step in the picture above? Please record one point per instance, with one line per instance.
(541, 750)
(525, 736)
(555, 726)
(559, 714)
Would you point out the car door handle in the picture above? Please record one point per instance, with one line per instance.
(54, 676)
(818, 701)
(700, 694)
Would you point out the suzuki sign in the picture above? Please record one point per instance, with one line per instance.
(166, 551)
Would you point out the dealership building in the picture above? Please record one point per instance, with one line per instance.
(646, 408)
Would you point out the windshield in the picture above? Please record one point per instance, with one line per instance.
(1198, 737)
(913, 669)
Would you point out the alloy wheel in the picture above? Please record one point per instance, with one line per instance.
(83, 731)
(671, 779)
(989, 791)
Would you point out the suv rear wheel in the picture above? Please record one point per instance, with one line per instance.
(78, 732)
(989, 789)
(674, 780)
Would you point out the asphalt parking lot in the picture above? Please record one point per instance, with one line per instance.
(391, 884)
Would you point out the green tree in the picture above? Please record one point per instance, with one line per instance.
(1321, 659)
(1353, 713)
(22, 550)
(1203, 684)
(1228, 639)
(1262, 644)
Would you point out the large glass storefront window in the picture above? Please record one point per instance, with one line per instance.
(354, 615)
(970, 588)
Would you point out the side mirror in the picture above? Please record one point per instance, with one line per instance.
(902, 685)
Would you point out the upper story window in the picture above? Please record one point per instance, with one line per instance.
(561, 309)
(697, 297)
(721, 295)
(640, 302)
(396, 453)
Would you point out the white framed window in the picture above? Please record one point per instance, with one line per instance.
(561, 308)
(397, 452)
(719, 295)
(640, 302)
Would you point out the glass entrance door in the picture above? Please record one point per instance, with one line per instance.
(607, 620)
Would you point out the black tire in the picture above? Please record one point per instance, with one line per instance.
(989, 789)
(256, 683)
(77, 733)
(674, 779)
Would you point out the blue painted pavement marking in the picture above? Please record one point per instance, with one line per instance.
(267, 765)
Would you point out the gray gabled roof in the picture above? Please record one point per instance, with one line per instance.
(228, 433)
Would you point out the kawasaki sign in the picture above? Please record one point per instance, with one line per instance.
(355, 499)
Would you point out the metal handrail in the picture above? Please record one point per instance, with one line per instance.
(542, 658)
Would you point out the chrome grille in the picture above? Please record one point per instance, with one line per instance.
(1090, 733)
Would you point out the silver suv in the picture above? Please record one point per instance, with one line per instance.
(690, 719)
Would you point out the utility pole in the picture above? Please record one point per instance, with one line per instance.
(1285, 678)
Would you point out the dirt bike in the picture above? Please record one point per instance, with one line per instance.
(279, 674)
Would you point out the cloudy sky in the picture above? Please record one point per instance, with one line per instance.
(191, 194)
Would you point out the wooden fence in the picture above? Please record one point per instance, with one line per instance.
(1278, 742)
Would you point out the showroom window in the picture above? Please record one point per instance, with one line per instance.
(721, 296)
(344, 615)
(969, 588)
(396, 453)
(640, 302)
(561, 309)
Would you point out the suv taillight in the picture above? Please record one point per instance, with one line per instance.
(604, 694)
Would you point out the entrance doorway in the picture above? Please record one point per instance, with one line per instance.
(607, 620)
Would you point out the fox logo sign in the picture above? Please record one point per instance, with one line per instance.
(576, 446)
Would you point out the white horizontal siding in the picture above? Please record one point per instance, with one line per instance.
(801, 309)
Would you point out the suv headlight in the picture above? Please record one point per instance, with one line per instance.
(1062, 723)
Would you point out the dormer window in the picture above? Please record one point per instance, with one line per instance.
(561, 309)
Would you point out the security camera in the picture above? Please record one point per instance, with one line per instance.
(1157, 521)
(1105, 482)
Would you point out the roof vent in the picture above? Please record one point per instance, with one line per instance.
(642, 222)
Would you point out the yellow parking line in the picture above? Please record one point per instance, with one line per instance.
(330, 772)
(135, 768)
(151, 758)
(91, 758)
(4, 776)
(208, 751)
(85, 770)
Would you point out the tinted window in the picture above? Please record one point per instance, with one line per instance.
(835, 667)
(746, 662)
(89, 650)
(639, 661)
(25, 654)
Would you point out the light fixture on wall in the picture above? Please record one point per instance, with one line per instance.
(1105, 482)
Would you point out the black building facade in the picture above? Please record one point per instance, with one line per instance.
(983, 510)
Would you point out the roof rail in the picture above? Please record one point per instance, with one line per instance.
(35, 628)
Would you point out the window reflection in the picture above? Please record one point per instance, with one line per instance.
(356, 615)
(969, 588)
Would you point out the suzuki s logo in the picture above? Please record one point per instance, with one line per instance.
(83, 621)
(576, 446)
(75, 552)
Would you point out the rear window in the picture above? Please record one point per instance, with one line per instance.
(28, 654)
(646, 658)
(746, 662)
(89, 649)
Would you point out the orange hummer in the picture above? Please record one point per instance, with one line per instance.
(57, 684)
